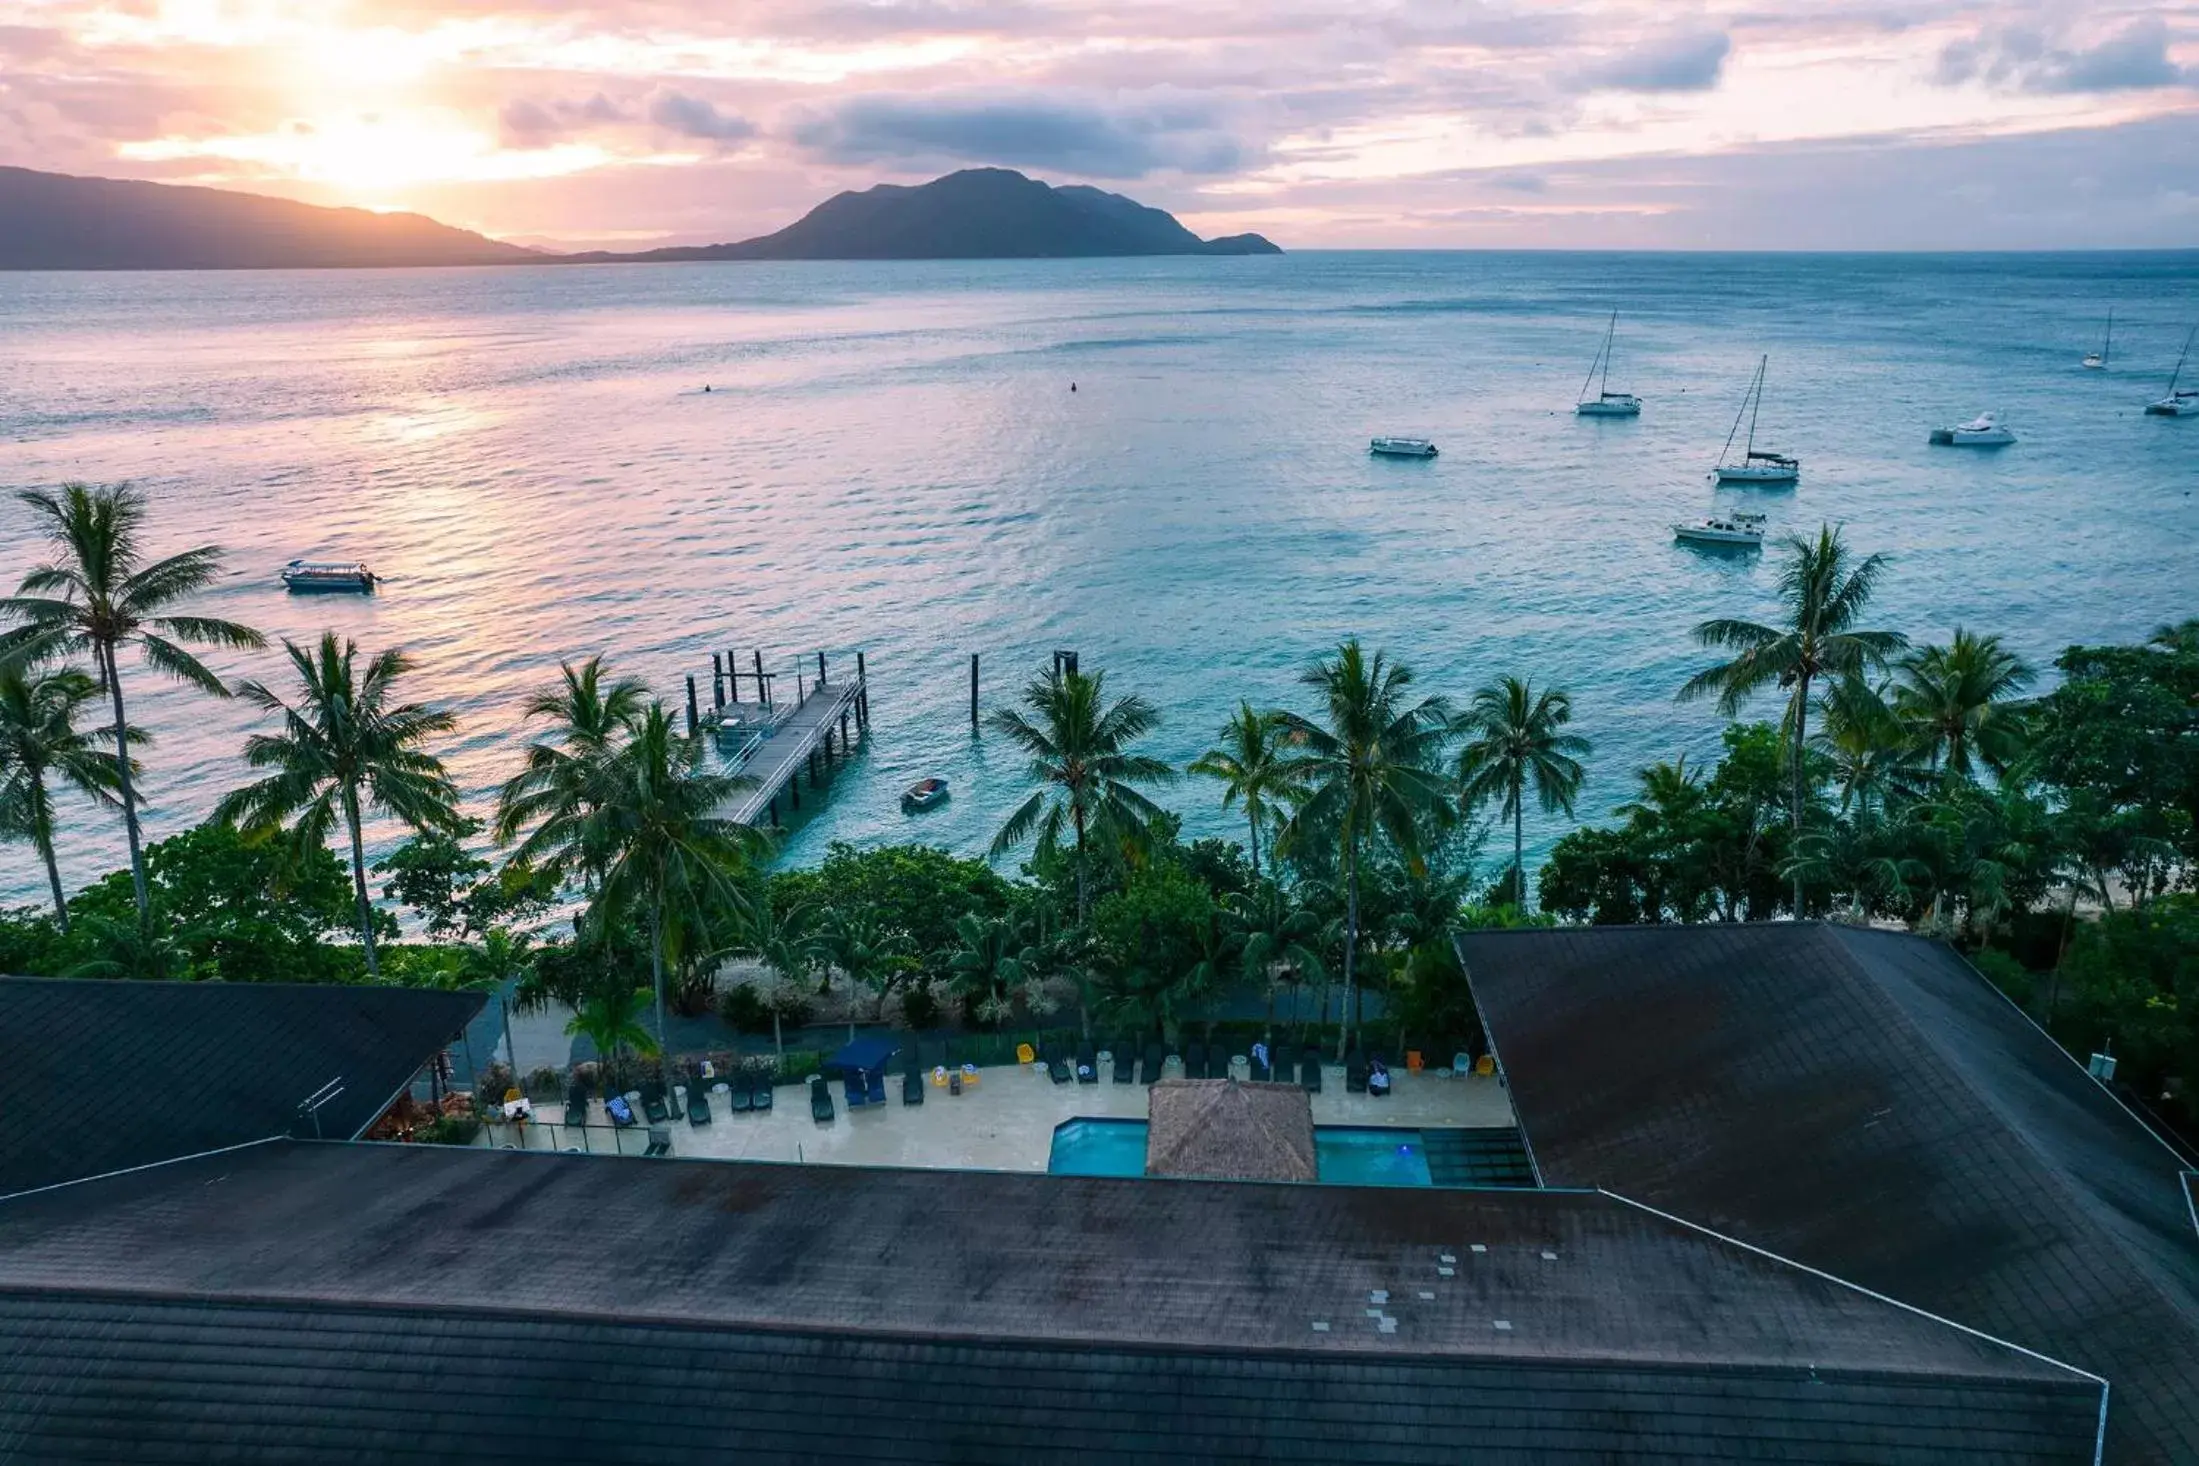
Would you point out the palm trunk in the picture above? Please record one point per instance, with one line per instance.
(656, 980)
(1351, 947)
(1252, 818)
(106, 656)
(1801, 727)
(42, 833)
(1519, 860)
(359, 885)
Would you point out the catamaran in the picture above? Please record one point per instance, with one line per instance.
(2178, 404)
(1738, 528)
(1755, 465)
(2094, 360)
(1606, 403)
(1401, 448)
(1982, 431)
(329, 575)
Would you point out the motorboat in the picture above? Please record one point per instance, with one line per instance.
(1982, 431)
(1755, 465)
(329, 575)
(1738, 528)
(1401, 448)
(2095, 360)
(1606, 403)
(2176, 403)
(924, 794)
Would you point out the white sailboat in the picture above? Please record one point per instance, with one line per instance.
(1983, 431)
(1755, 465)
(2178, 404)
(2094, 360)
(1606, 403)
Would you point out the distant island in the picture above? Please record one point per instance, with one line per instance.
(56, 221)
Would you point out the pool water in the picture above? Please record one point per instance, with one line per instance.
(1344, 1155)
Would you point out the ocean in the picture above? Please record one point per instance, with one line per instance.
(891, 458)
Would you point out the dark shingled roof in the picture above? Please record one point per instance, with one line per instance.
(1865, 1103)
(1222, 1129)
(363, 1302)
(98, 1076)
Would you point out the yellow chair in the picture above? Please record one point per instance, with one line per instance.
(1025, 1054)
(1486, 1065)
(969, 1075)
(1413, 1061)
(939, 1077)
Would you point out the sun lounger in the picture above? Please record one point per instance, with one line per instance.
(1194, 1060)
(1217, 1060)
(852, 1087)
(1126, 1062)
(653, 1105)
(1355, 1073)
(576, 1105)
(912, 1087)
(698, 1106)
(759, 1098)
(621, 1113)
(820, 1099)
(1087, 1065)
(1057, 1069)
(874, 1086)
(738, 1099)
(660, 1141)
(1309, 1071)
(1260, 1072)
(1156, 1056)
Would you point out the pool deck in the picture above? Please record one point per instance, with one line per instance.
(1005, 1122)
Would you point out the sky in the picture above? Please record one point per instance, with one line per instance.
(1779, 124)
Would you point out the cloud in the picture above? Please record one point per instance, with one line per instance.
(2133, 59)
(524, 122)
(1681, 63)
(694, 117)
(1073, 137)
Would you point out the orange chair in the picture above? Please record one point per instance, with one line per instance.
(1486, 1065)
(1412, 1061)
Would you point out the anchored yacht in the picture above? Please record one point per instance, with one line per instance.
(1606, 403)
(1982, 431)
(1755, 465)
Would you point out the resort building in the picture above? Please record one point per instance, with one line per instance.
(1787, 1193)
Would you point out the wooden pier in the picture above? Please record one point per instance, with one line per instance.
(817, 731)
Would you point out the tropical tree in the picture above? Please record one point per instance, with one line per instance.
(1959, 703)
(1250, 764)
(39, 739)
(97, 596)
(345, 748)
(588, 721)
(867, 952)
(1278, 940)
(1515, 737)
(1088, 779)
(1369, 765)
(1871, 754)
(610, 1017)
(664, 857)
(1824, 593)
(987, 965)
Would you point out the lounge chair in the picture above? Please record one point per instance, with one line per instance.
(759, 1098)
(912, 1087)
(1217, 1059)
(1057, 1069)
(1309, 1071)
(1087, 1065)
(1126, 1062)
(737, 1098)
(698, 1106)
(874, 1086)
(660, 1141)
(576, 1105)
(820, 1100)
(852, 1086)
(1355, 1073)
(621, 1113)
(653, 1105)
(1194, 1060)
(1156, 1058)
(1260, 1071)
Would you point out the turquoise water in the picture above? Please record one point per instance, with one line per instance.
(1344, 1155)
(891, 458)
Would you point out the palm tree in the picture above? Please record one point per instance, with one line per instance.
(588, 722)
(1275, 934)
(866, 952)
(1862, 737)
(1958, 702)
(96, 596)
(1079, 747)
(1369, 767)
(987, 964)
(662, 854)
(610, 1017)
(1824, 596)
(1516, 737)
(1249, 761)
(345, 748)
(785, 940)
(38, 737)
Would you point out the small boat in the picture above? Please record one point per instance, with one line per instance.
(2178, 404)
(329, 575)
(1606, 403)
(924, 794)
(1401, 448)
(1738, 528)
(1755, 465)
(1982, 431)
(2094, 360)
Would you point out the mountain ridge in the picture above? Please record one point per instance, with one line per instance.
(60, 221)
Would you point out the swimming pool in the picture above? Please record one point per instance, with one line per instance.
(1343, 1155)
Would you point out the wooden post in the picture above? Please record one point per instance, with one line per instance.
(732, 677)
(717, 682)
(862, 697)
(692, 720)
(973, 689)
(763, 688)
(793, 789)
(843, 731)
(820, 669)
(801, 693)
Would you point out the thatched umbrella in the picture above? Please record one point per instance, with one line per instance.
(1224, 1130)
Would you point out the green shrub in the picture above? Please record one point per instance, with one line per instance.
(920, 1006)
(450, 1130)
(2007, 974)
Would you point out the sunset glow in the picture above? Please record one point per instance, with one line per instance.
(1413, 121)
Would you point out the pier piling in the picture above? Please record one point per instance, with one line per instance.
(820, 669)
(763, 689)
(862, 696)
(717, 683)
(693, 722)
(973, 689)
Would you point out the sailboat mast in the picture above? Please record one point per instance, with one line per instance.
(1756, 398)
(2108, 344)
(1610, 334)
(2177, 375)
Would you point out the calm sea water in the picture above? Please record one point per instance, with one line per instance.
(891, 459)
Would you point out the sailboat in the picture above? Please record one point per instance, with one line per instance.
(1606, 403)
(1755, 465)
(2178, 404)
(2094, 360)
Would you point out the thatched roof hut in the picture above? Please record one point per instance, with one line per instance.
(1224, 1130)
